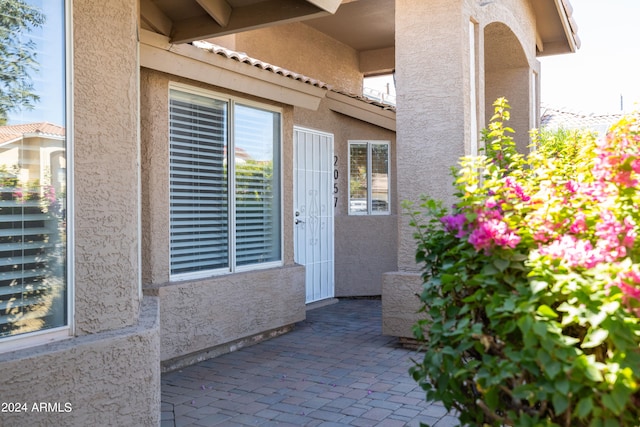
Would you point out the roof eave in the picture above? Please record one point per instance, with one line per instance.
(565, 11)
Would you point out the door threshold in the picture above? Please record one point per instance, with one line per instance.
(321, 303)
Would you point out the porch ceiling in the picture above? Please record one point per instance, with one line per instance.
(365, 25)
(556, 28)
(184, 21)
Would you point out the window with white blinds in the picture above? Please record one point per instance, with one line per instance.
(224, 185)
(34, 290)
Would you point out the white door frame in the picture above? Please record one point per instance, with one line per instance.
(313, 211)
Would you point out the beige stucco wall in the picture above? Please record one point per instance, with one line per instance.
(513, 84)
(305, 50)
(106, 152)
(104, 379)
(198, 315)
(509, 74)
(401, 303)
(433, 112)
(365, 246)
(434, 108)
(109, 373)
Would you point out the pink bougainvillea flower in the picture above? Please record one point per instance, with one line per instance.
(572, 251)
(455, 224)
(493, 232)
(579, 224)
(511, 183)
(572, 186)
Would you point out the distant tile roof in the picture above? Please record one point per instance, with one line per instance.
(363, 98)
(555, 118)
(246, 59)
(8, 133)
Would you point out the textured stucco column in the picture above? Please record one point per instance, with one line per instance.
(109, 373)
(106, 163)
(433, 130)
(432, 77)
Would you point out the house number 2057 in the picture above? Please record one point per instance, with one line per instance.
(335, 179)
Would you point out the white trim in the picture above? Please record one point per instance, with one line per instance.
(44, 336)
(70, 144)
(473, 94)
(32, 339)
(330, 213)
(369, 143)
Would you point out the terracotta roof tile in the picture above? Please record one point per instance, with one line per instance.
(382, 105)
(556, 118)
(246, 59)
(11, 132)
(568, 9)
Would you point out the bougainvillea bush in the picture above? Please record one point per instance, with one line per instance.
(532, 282)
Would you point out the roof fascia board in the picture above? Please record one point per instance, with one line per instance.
(219, 10)
(155, 18)
(330, 6)
(200, 65)
(566, 25)
(361, 110)
(259, 15)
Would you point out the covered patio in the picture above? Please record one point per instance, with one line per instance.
(334, 369)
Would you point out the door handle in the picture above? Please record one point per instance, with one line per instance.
(298, 221)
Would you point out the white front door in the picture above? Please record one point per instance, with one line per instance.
(313, 210)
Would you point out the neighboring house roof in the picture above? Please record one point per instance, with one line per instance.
(12, 132)
(246, 59)
(555, 118)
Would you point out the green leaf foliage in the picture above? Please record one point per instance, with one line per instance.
(532, 282)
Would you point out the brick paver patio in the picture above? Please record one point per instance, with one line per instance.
(333, 369)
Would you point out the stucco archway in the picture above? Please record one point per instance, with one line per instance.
(508, 74)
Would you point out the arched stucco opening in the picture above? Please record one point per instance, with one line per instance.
(507, 74)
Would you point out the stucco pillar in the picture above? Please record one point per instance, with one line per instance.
(106, 164)
(433, 104)
(433, 122)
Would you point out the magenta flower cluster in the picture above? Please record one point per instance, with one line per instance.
(579, 220)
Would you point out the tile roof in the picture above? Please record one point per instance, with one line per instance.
(362, 98)
(556, 118)
(573, 26)
(9, 133)
(246, 59)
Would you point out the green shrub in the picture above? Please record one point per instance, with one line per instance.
(532, 282)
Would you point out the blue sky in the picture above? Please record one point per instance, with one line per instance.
(48, 82)
(605, 67)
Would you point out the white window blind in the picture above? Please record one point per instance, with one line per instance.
(257, 187)
(217, 145)
(198, 183)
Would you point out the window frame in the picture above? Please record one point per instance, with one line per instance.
(231, 101)
(369, 143)
(43, 336)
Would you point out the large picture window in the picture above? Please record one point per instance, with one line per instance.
(225, 204)
(369, 178)
(34, 294)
